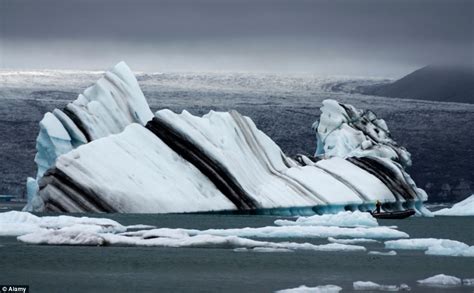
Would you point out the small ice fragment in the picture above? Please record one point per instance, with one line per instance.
(468, 282)
(441, 280)
(433, 246)
(388, 253)
(371, 286)
(352, 241)
(317, 289)
(341, 219)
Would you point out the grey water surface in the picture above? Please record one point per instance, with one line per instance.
(154, 269)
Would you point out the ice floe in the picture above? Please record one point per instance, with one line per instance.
(462, 208)
(384, 253)
(68, 236)
(468, 282)
(302, 232)
(433, 246)
(351, 241)
(14, 223)
(371, 286)
(263, 249)
(341, 219)
(441, 280)
(317, 289)
(69, 230)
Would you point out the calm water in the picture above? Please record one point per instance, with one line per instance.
(140, 269)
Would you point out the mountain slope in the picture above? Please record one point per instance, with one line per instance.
(433, 82)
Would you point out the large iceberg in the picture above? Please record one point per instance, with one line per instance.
(106, 152)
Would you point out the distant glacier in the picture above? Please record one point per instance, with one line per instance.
(107, 152)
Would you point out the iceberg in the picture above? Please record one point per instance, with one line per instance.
(433, 246)
(317, 289)
(107, 152)
(344, 131)
(462, 208)
(441, 280)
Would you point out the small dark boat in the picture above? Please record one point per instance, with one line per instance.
(393, 215)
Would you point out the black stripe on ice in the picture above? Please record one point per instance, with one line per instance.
(218, 174)
(84, 198)
(78, 123)
(397, 185)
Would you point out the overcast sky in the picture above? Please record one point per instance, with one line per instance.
(347, 37)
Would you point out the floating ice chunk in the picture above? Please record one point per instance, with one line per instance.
(263, 249)
(462, 208)
(307, 231)
(342, 219)
(352, 241)
(317, 289)
(15, 223)
(468, 282)
(371, 286)
(433, 246)
(441, 280)
(384, 253)
(140, 227)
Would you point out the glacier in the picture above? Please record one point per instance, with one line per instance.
(107, 152)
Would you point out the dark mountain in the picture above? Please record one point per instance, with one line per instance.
(434, 82)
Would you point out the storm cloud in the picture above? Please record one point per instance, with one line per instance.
(365, 37)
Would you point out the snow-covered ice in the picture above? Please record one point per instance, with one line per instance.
(462, 208)
(433, 246)
(341, 219)
(441, 280)
(317, 289)
(371, 286)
